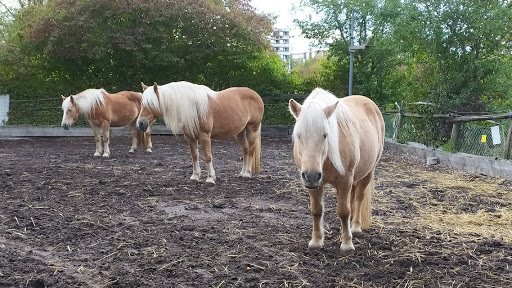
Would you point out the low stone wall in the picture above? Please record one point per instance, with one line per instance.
(468, 162)
(57, 131)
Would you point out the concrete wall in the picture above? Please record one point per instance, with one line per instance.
(57, 131)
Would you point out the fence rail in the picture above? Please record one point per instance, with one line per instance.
(464, 135)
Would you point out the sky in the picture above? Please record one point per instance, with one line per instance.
(282, 9)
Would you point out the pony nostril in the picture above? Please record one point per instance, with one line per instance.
(319, 176)
(304, 177)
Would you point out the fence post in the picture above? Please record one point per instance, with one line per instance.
(455, 133)
(508, 143)
(401, 109)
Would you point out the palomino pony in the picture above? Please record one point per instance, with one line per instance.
(104, 110)
(339, 142)
(202, 114)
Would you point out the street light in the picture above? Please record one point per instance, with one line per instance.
(352, 49)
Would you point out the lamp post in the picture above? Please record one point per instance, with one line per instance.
(352, 49)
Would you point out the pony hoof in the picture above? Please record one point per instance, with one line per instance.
(149, 150)
(246, 175)
(131, 151)
(210, 180)
(356, 230)
(106, 155)
(315, 245)
(97, 154)
(346, 250)
(194, 177)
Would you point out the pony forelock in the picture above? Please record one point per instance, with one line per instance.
(313, 123)
(86, 100)
(150, 100)
(184, 104)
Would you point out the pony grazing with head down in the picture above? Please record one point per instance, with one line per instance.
(104, 110)
(202, 114)
(338, 142)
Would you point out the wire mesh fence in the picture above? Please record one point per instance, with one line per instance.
(483, 138)
(480, 140)
(474, 137)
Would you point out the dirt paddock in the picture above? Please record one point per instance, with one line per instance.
(136, 220)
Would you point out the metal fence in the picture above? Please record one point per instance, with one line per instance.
(473, 138)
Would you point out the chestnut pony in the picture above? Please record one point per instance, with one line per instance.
(104, 110)
(202, 114)
(338, 142)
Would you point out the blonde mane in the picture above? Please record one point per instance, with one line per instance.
(86, 100)
(182, 104)
(312, 117)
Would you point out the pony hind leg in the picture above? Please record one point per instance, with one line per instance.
(106, 139)
(254, 149)
(194, 152)
(241, 139)
(206, 143)
(97, 140)
(361, 203)
(316, 200)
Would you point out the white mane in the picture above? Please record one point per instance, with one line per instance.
(312, 118)
(182, 104)
(86, 100)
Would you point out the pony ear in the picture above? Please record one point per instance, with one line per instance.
(155, 88)
(144, 87)
(294, 108)
(63, 97)
(329, 110)
(72, 99)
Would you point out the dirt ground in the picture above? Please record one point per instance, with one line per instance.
(136, 220)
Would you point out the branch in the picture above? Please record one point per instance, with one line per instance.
(7, 8)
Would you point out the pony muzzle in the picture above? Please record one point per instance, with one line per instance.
(311, 179)
(142, 125)
(65, 126)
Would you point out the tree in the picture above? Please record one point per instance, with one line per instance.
(64, 46)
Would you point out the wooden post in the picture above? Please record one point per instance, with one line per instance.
(455, 133)
(400, 121)
(508, 142)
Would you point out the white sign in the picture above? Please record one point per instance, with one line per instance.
(495, 132)
(4, 109)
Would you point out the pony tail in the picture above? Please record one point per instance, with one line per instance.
(366, 206)
(255, 169)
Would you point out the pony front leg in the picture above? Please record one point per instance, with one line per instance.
(97, 140)
(149, 144)
(316, 199)
(196, 170)
(133, 132)
(207, 150)
(343, 210)
(106, 140)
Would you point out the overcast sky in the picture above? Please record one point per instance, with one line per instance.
(282, 9)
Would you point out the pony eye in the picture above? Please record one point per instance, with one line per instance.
(325, 135)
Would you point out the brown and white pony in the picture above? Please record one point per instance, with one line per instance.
(104, 110)
(202, 114)
(338, 142)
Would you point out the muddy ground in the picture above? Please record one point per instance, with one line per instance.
(136, 220)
